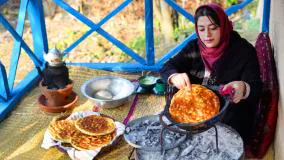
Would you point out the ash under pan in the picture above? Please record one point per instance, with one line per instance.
(145, 133)
(202, 147)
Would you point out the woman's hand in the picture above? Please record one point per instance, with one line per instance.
(239, 88)
(180, 80)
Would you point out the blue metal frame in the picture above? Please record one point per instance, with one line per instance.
(10, 95)
(181, 10)
(234, 8)
(99, 30)
(150, 55)
(18, 38)
(3, 2)
(17, 45)
(103, 21)
(4, 88)
(36, 15)
(266, 15)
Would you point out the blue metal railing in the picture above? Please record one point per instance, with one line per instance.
(3, 2)
(9, 95)
(96, 27)
(5, 91)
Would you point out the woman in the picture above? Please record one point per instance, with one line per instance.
(219, 56)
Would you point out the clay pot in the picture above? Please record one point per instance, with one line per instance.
(59, 97)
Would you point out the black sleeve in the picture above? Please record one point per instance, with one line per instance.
(178, 64)
(251, 75)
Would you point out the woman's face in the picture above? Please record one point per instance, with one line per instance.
(209, 33)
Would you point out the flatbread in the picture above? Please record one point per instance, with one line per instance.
(62, 130)
(95, 125)
(82, 141)
(195, 105)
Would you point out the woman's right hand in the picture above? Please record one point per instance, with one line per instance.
(180, 80)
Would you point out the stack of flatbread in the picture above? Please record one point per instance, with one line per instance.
(195, 105)
(87, 133)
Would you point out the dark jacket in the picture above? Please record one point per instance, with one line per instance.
(238, 63)
(55, 77)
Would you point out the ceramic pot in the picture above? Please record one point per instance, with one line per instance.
(59, 97)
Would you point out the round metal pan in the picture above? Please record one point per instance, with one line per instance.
(193, 128)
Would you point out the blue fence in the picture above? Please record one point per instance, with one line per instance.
(9, 96)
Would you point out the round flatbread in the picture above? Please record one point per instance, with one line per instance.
(195, 105)
(95, 125)
(62, 130)
(82, 141)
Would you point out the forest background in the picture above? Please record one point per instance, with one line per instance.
(128, 26)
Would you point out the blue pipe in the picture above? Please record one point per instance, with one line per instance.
(266, 16)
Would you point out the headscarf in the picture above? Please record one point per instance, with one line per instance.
(210, 55)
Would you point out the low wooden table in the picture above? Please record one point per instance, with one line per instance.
(202, 146)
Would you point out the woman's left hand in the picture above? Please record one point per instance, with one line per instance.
(239, 88)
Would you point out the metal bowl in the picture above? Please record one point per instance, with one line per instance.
(108, 91)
